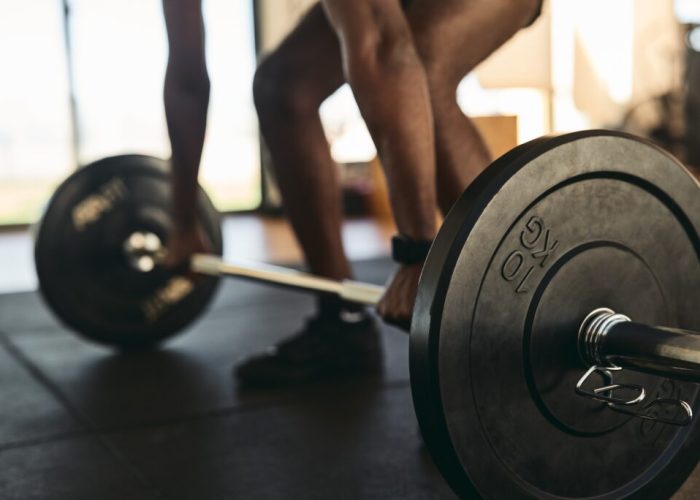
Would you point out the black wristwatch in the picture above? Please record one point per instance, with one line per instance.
(406, 251)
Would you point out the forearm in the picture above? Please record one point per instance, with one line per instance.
(186, 96)
(186, 114)
(396, 107)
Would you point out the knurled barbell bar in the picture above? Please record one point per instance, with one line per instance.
(527, 369)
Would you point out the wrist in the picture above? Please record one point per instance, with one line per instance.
(408, 251)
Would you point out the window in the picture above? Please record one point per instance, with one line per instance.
(35, 127)
(119, 52)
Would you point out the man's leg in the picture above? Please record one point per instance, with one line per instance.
(289, 86)
(452, 37)
(383, 68)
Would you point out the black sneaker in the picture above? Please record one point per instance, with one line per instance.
(324, 348)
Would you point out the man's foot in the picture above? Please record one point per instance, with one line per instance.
(325, 348)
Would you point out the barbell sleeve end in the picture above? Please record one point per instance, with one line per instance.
(606, 338)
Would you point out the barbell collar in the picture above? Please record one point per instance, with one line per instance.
(607, 338)
(352, 291)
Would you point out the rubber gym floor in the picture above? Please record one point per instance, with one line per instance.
(81, 422)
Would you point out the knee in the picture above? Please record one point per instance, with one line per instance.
(377, 54)
(442, 83)
(279, 93)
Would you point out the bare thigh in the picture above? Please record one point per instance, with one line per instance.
(454, 36)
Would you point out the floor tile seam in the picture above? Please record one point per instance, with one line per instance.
(79, 416)
(44, 381)
(217, 312)
(46, 439)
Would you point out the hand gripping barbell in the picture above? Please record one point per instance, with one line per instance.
(534, 369)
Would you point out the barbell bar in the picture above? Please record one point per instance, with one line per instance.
(349, 290)
(607, 342)
(605, 339)
(145, 251)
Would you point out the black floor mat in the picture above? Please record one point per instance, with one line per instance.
(79, 421)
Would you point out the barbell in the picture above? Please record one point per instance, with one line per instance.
(537, 368)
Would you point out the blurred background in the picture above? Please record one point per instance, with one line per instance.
(82, 79)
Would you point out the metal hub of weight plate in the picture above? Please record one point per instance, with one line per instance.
(552, 230)
(85, 275)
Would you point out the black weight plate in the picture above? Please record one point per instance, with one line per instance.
(549, 232)
(84, 275)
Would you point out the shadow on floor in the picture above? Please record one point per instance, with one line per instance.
(80, 421)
